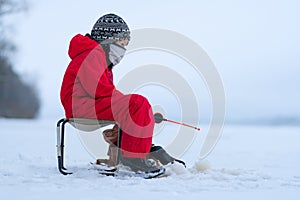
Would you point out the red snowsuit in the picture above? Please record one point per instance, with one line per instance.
(88, 91)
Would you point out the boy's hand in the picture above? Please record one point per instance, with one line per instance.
(111, 135)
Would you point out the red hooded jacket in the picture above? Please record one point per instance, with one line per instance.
(86, 79)
(88, 91)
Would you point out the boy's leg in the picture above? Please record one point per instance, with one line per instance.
(134, 115)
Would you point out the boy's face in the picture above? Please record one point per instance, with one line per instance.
(123, 42)
(117, 51)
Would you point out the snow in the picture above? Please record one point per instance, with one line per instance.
(249, 162)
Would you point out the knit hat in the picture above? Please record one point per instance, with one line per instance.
(110, 28)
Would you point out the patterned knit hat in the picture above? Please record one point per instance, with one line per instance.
(110, 28)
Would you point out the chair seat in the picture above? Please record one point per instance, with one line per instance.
(88, 125)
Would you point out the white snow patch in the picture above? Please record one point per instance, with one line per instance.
(247, 163)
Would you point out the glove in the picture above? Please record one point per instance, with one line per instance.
(111, 135)
(112, 157)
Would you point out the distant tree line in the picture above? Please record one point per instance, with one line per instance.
(18, 99)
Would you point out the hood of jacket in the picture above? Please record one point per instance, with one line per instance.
(80, 44)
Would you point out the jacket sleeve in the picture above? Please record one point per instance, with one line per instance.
(94, 77)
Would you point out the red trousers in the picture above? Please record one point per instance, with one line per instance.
(133, 113)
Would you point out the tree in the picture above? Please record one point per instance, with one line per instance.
(18, 99)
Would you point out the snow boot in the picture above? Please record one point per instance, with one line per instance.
(140, 165)
(160, 154)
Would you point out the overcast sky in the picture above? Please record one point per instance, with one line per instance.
(254, 45)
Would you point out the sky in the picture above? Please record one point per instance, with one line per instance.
(253, 44)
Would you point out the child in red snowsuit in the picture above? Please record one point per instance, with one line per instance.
(88, 90)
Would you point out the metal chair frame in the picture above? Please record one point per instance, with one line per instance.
(76, 123)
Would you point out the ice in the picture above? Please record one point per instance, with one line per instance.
(249, 162)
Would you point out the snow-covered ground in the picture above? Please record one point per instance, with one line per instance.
(248, 163)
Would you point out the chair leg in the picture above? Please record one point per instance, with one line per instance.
(60, 145)
(119, 145)
(63, 141)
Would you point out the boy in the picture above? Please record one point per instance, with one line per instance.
(88, 90)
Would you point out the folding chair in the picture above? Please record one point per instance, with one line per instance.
(82, 124)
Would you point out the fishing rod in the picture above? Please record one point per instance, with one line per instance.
(158, 117)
